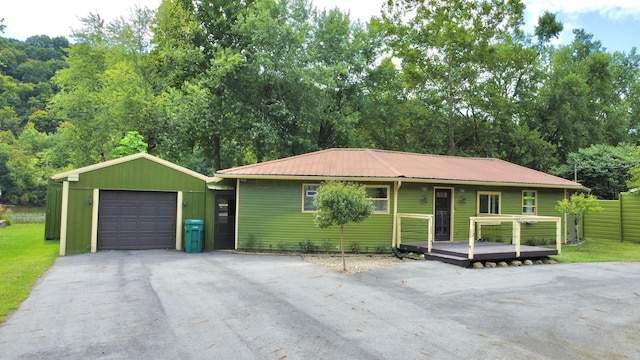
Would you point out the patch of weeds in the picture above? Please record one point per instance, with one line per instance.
(326, 245)
(252, 243)
(281, 246)
(306, 247)
(382, 249)
(355, 247)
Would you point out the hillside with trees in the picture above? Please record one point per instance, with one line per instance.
(215, 84)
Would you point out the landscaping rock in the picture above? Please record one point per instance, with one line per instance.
(539, 262)
(3, 223)
(502, 264)
(528, 262)
(490, 264)
(551, 261)
(477, 265)
(516, 263)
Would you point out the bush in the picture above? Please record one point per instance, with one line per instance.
(4, 214)
(306, 247)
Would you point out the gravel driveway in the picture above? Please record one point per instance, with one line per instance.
(169, 305)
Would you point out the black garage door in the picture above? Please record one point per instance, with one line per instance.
(136, 220)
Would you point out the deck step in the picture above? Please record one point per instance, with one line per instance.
(449, 259)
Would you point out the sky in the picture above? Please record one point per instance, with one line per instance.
(616, 23)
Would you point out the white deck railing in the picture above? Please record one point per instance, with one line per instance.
(427, 217)
(516, 221)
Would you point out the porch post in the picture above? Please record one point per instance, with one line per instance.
(559, 235)
(472, 236)
(430, 235)
(516, 235)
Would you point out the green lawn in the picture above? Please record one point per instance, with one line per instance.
(24, 256)
(594, 250)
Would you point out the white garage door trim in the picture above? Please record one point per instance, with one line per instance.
(94, 221)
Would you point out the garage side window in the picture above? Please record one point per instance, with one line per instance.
(489, 203)
(309, 192)
(379, 195)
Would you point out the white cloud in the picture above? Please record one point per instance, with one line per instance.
(613, 9)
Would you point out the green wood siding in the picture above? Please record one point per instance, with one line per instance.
(271, 217)
(541, 233)
(605, 224)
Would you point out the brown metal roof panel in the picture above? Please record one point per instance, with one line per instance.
(369, 163)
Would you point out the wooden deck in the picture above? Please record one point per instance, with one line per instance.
(458, 252)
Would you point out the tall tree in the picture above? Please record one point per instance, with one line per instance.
(446, 48)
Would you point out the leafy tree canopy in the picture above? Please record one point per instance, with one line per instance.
(340, 203)
(602, 168)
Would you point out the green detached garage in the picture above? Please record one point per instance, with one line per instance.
(135, 202)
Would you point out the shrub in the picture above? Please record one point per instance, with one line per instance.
(306, 247)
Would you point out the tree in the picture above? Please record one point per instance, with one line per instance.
(602, 168)
(449, 51)
(340, 203)
(132, 143)
(578, 205)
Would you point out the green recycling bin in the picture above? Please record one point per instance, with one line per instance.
(193, 234)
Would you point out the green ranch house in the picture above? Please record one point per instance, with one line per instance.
(421, 202)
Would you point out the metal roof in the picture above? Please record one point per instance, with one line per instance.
(371, 164)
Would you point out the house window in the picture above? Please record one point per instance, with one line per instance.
(379, 195)
(309, 192)
(529, 202)
(489, 203)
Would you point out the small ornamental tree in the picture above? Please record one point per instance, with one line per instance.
(340, 203)
(578, 205)
(132, 143)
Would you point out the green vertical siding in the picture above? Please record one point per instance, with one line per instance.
(79, 213)
(630, 207)
(136, 175)
(53, 211)
(271, 217)
(605, 224)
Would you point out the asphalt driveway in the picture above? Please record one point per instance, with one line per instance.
(169, 305)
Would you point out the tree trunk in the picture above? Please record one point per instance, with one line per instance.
(344, 266)
(217, 158)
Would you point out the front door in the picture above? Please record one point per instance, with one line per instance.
(225, 223)
(442, 204)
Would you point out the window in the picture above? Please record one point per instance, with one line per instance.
(529, 199)
(309, 192)
(489, 203)
(379, 195)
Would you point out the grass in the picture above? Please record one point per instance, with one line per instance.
(594, 250)
(24, 256)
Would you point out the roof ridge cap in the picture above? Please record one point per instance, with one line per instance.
(391, 168)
